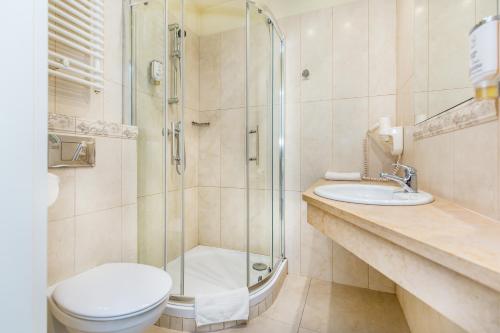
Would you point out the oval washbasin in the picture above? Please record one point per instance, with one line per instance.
(373, 195)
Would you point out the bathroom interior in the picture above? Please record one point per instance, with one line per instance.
(307, 166)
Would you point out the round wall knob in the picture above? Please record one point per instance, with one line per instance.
(306, 73)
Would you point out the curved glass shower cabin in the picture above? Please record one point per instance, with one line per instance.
(206, 90)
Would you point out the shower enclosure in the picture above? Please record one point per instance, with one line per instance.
(205, 87)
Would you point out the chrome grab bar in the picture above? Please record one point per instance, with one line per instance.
(257, 145)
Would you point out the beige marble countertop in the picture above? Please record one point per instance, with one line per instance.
(457, 238)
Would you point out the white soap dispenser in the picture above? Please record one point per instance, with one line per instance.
(484, 57)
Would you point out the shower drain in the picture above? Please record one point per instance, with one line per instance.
(259, 266)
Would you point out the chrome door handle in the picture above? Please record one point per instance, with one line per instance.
(175, 149)
(257, 145)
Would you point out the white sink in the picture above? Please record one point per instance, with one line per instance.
(373, 195)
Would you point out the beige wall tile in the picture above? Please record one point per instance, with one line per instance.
(113, 28)
(258, 63)
(209, 206)
(232, 219)
(149, 25)
(98, 238)
(190, 218)
(436, 165)
(350, 123)
(292, 147)
(76, 100)
(209, 155)
(316, 55)
(192, 71)
(405, 115)
(174, 227)
(150, 229)
(191, 137)
(291, 27)
(112, 102)
(405, 31)
(64, 207)
(292, 231)
(129, 172)
(150, 146)
(232, 123)
(315, 250)
(260, 213)
(316, 145)
(129, 233)
(382, 106)
(61, 250)
(350, 52)
(421, 45)
(475, 159)
(347, 268)
(420, 107)
(382, 47)
(233, 69)
(210, 72)
(100, 187)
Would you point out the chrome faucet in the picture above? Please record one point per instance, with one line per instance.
(408, 182)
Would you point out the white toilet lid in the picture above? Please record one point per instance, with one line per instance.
(113, 290)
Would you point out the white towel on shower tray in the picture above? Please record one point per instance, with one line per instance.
(222, 307)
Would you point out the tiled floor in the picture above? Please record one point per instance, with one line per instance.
(314, 306)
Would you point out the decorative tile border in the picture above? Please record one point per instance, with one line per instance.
(467, 115)
(63, 123)
(189, 324)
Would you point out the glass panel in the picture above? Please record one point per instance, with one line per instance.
(174, 165)
(145, 102)
(214, 185)
(260, 144)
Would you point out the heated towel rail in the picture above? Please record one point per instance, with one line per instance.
(76, 41)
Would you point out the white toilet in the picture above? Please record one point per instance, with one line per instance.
(114, 298)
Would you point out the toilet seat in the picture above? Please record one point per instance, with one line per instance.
(112, 292)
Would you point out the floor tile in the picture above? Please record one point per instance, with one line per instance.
(334, 308)
(314, 306)
(264, 324)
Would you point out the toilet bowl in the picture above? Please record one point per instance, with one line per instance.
(111, 298)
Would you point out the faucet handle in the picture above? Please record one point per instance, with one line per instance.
(409, 170)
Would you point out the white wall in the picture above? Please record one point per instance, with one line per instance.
(23, 222)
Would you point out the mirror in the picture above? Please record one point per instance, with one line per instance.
(441, 53)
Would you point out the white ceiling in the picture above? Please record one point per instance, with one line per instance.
(204, 4)
(281, 6)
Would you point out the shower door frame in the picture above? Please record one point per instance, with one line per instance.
(263, 10)
(275, 31)
(281, 140)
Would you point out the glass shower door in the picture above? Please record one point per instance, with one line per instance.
(260, 133)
